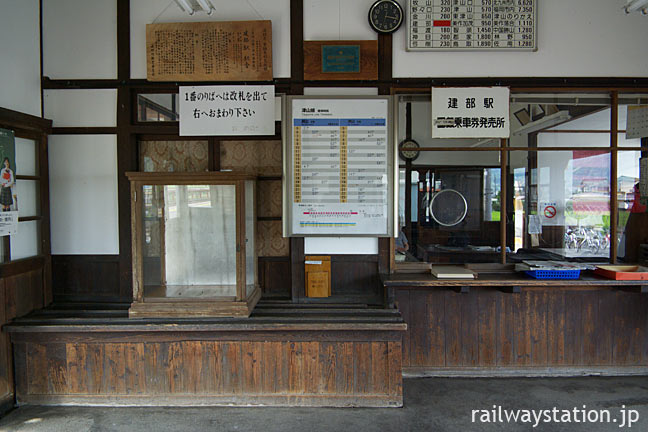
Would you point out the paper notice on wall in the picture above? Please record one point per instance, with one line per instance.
(637, 122)
(8, 223)
(227, 110)
(8, 194)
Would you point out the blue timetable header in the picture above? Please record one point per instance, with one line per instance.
(339, 122)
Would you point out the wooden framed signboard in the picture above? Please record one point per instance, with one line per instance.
(209, 51)
(465, 25)
(338, 166)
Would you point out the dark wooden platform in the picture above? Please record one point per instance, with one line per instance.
(284, 354)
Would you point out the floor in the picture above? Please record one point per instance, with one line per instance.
(431, 404)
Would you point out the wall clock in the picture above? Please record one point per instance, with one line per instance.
(385, 16)
(409, 149)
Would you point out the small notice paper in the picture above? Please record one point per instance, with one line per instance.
(8, 223)
(227, 110)
(637, 122)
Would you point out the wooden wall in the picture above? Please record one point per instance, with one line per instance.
(543, 327)
(281, 368)
(82, 277)
(19, 295)
(96, 278)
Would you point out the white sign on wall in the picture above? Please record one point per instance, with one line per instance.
(470, 112)
(227, 110)
(637, 122)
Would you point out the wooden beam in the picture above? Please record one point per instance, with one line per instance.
(297, 46)
(614, 204)
(18, 121)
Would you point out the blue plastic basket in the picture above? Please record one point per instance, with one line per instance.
(554, 274)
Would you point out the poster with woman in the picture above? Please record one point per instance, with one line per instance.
(8, 195)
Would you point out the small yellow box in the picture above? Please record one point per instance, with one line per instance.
(318, 276)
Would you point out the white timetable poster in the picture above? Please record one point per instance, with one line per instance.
(637, 122)
(340, 162)
(464, 25)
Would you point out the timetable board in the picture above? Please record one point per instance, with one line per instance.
(339, 164)
(465, 25)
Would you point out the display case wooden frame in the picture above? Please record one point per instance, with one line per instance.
(160, 306)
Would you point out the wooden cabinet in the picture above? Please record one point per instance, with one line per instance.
(193, 237)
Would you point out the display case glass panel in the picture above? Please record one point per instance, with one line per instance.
(194, 244)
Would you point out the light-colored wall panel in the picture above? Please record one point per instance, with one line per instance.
(340, 245)
(83, 194)
(80, 39)
(338, 20)
(76, 108)
(155, 11)
(20, 65)
(590, 38)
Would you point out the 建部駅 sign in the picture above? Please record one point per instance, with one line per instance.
(470, 112)
(227, 110)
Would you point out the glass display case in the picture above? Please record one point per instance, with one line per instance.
(194, 251)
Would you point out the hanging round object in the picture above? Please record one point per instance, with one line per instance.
(448, 207)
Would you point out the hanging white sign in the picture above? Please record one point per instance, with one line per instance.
(227, 110)
(470, 112)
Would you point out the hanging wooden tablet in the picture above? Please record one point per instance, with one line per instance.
(209, 51)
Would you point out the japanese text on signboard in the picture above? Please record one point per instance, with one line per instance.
(224, 110)
(478, 112)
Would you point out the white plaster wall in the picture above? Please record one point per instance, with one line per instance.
(337, 19)
(20, 49)
(589, 38)
(83, 194)
(78, 108)
(165, 11)
(80, 39)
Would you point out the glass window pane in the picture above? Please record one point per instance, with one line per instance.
(632, 210)
(561, 205)
(622, 141)
(573, 140)
(189, 241)
(26, 157)
(626, 100)
(26, 242)
(458, 209)
(157, 107)
(250, 248)
(28, 197)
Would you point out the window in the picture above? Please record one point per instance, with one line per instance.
(550, 191)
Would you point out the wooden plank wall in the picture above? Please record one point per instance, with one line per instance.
(81, 277)
(102, 370)
(19, 295)
(535, 328)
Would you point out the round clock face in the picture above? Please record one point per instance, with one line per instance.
(385, 16)
(409, 149)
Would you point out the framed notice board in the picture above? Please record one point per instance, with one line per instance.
(339, 166)
(472, 25)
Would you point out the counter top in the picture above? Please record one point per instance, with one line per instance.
(505, 279)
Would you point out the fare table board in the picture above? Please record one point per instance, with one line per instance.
(464, 25)
(339, 167)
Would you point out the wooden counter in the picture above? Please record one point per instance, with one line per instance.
(508, 282)
(510, 324)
